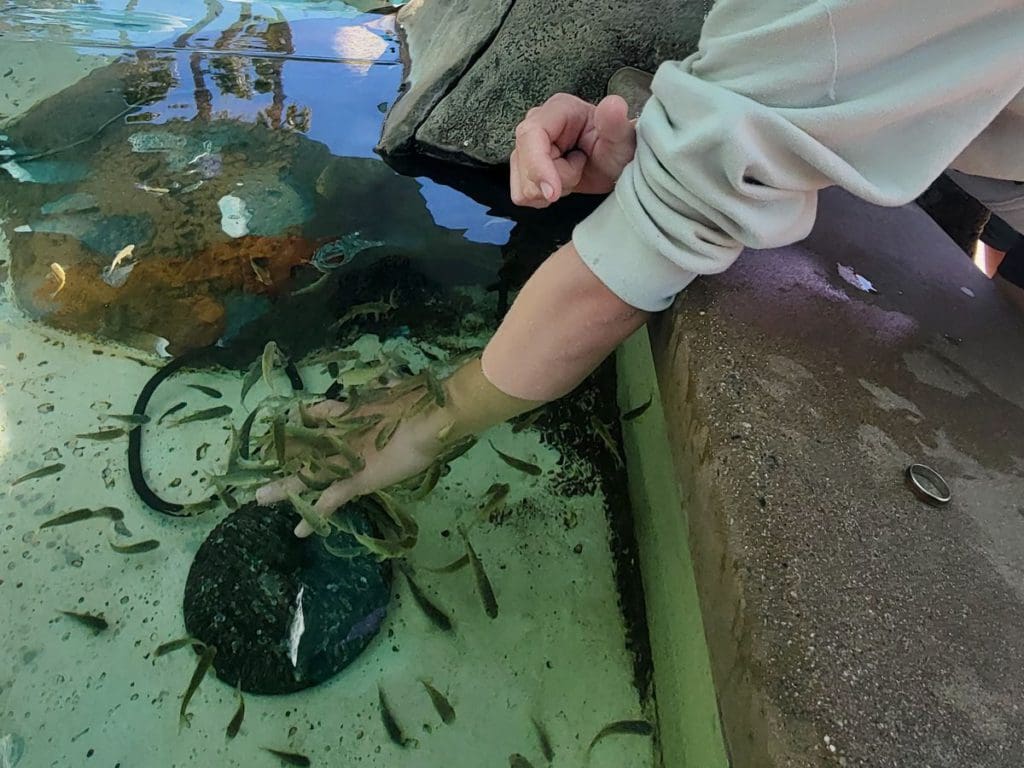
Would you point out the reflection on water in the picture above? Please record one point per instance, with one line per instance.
(225, 161)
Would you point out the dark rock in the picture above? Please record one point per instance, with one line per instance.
(244, 587)
(540, 49)
(439, 41)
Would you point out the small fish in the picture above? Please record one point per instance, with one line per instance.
(251, 377)
(49, 469)
(456, 449)
(77, 515)
(171, 411)
(515, 760)
(606, 437)
(289, 758)
(441, 704)
(124, 253)
(438, 618)
(135, 548)
(528, 422)
(345, 553)
(244, 434)
(202, 667)
(316, 521)
(493, 499)
(313, 287)
(306, 418)
(383, 437)
(261, 272)
(445, 431)
(619, 727)
(545, 740)
(390, 724)
(141, 185)
(639, 411)
(103, 434)
(209, 391)
(280, 439)
(270, 356)
(96, 623)
(204, 415)
(436, 389)
(116, 274)
(522, 466)
(134, 419)
(483, 584)
(174, 645)
(452, 567)
(58, 274)
(430, 478)
(236, 721)
(201, 451)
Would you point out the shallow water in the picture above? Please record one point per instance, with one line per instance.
(231, 145)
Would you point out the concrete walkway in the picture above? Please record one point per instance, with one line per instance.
(850, 623)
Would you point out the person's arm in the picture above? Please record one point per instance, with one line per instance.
(785, 98)
(561, 326)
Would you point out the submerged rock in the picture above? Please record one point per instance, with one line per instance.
(283, 612)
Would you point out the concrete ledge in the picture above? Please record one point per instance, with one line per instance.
(848, 622)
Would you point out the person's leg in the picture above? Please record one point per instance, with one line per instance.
(1006, 201)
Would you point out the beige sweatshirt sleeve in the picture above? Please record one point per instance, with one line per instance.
(784, 98)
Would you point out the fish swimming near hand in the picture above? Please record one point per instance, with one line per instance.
(208, 391)
(640, 410)
(483, 584)
(204, 415)
(135, 548)
(96, 623)
(522, 466)
(390, 723)
(49, 469)
(77, 515)
(545, 740)
(171, 411)
(601, 429)
(622, 727)
(236, 721)
(174, 645)
(440, 702)
(103, 434)
(438, 618)
(202, 667)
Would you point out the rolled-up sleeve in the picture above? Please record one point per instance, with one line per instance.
(782, 99)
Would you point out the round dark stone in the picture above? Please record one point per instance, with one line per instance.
(243, 592)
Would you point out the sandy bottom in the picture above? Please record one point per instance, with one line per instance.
(556, 652)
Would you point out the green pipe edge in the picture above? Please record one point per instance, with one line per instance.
(689, 727)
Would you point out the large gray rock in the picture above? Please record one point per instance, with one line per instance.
(541, 48)
(439, 40)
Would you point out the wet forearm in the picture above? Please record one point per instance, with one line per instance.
(561, 326)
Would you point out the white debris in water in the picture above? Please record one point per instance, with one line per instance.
(7, 152)
(966, 291)
(856, 280)
(234, 216)
(298, 627)
(17, 172)
(23, 228)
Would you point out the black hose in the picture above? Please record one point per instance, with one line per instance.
(138, 478)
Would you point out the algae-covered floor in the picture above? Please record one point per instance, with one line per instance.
(557, 651)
